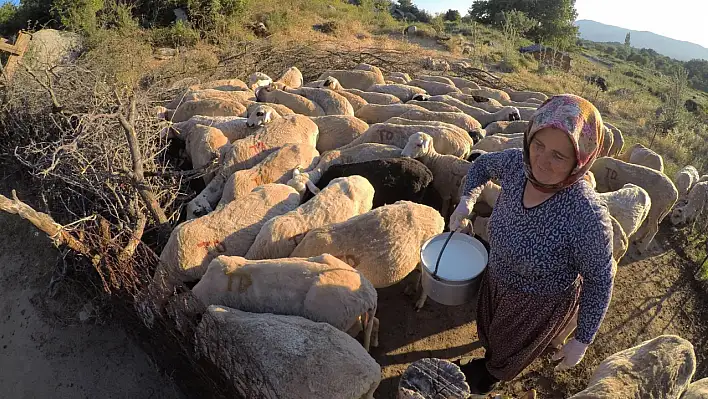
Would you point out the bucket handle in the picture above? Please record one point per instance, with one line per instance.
(437, 264)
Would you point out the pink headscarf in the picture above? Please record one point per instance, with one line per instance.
(581, 121)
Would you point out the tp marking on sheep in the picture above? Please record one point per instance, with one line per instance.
(611, 174)
(389, 135)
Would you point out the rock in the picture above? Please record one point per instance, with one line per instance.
(658, 368)
(49, 48)
(697, 390)
(274, 356)
(433, 378)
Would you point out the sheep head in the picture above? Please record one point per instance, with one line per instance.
(513, 113)
(419, 144)
(678, 215)
(331, 83)
(198, 207)
(421, 97)
(475, 154)
(301, 182)
(480, 99)
(258, 79)
(263, 92)
(261, 115)
(476, 135)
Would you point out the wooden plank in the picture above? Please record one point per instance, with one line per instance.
(9, 48)
(21, 46)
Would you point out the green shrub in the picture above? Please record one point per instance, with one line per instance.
(179, 34)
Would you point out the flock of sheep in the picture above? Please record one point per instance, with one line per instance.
(325, 191)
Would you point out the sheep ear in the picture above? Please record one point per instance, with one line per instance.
(311, 186)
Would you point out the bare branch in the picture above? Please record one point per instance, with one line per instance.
(45, 223)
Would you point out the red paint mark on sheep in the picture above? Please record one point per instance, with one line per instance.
(206, 244)
(258, 147)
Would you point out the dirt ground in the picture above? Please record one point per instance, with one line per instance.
(653, 296)
(43, 356)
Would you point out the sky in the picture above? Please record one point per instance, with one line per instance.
(677, 19)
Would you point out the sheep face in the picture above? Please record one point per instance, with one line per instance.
(263, 92)
(421, 97)
(198, 208)
(513, 113)
(475, 154)
(678, 216)
(261, 115)
(258, 79)
(418, 144)
(480, 99)
(476, 136)
(331, 83)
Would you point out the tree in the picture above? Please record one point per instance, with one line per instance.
(555, 17)
(627, 40)
(452, 15)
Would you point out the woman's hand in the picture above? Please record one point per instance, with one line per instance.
(462, 211)
(571, 353)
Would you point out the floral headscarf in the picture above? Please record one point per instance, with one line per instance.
(581, 121)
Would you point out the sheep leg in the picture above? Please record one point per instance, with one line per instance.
(374, 387)
(375, 333)
(423, 296)
(652, 229)
(412, 288)
(445, 208)
(369, 325)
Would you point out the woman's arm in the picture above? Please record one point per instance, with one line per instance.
(593, 257)
(492, 165)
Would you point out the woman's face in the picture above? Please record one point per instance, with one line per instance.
(552, 156)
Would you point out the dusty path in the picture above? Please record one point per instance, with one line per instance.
(653, 296)
(43, 357)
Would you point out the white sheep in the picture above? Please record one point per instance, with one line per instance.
(223, 85)
(297, 103)
(375, 98)
(607, 142)
(506, 127)
(694, 207)
(356, 79)
(448, 171)
(685, 179)
(342, 199)
(382, 244)
(292, 77)
(241, 96)
(487, 104)
(359, 153)
(228, 231)
(463, 83)
(499, 142)
(280, 109)
(275, 168)
(249, 151)
(523, 96)
(320, 288)
(439, 79)
(458, 119)
(629, 205)
(331, 83)
(455, 142)
(496, 94)
(338, 130)
(612, 174)
(371, 68)
(331, 102)
(375, 113)
(618, 140)
(314, 360)
(402, 75)
(434, 88)
(403, 92)
(503, 114)
(206, 107)
(233, 127)
(203, 145)
(437, 106)
(638, 154)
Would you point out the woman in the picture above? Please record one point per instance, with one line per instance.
(549, 235)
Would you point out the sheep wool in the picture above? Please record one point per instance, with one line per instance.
(321, 288)
(275, 168)
(338, 130)
(341, 199)
(303, 359)
(356, 79)
(383, 244)
(206, 107)
(228, 231)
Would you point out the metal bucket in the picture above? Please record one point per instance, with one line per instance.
(453, 279)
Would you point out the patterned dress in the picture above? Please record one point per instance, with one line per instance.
(539, 259)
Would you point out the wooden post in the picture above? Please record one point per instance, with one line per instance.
(17, 51)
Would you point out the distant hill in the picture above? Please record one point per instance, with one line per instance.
(680, 50)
